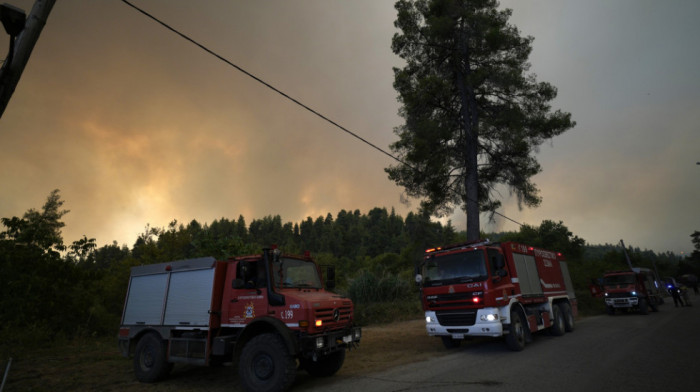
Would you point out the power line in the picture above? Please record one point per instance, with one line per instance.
(271, 87)
(264, 83)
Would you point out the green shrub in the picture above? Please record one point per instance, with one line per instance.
(367, 287)
(387, 312)
(589, 305)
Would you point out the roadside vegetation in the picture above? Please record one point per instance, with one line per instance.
(53, 295)
(96, 365)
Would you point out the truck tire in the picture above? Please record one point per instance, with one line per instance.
(450, 343)
(515, 339)
(266, 365)
(558, 327)
(150, 359)
(568, 316)
(643, 306)
(326, 365)
(654, 303)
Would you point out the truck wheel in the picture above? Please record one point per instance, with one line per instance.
(326, 365)
(654, 304)
(568, 316)
(450, 343)
(559, 325)
(266, 365)
(150, 359)
(515, 340)
(643, 306)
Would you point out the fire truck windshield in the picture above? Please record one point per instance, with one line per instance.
(615, 280)
(296, 273)
(460, 267)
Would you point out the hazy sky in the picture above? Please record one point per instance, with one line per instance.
(137, 126)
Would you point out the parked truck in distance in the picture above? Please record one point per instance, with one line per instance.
(495, 289)
(636, 289)
(269, 313)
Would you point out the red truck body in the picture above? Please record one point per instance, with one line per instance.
(636, 289)
(265, 312)
(495, 289)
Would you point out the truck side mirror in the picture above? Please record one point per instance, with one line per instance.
(500, 262)
(244, 271)
(330, 277)
(238, 283)
(498, 275)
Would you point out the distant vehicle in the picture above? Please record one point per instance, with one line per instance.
(681, 286)
(670, 282)
(495, 289)
(635, 289)
(265, 312)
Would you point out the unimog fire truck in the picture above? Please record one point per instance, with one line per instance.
(267, 312)
(636, 289)
(495, 289)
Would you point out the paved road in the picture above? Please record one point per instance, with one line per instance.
(629, 352)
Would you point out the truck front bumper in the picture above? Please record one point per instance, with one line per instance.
(486, 323)
(623, 302)
(328, 342)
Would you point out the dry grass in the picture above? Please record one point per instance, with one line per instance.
(98, 366)
(390, 345)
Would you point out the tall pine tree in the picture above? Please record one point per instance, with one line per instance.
(473, 115)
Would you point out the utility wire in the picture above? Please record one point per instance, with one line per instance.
(265, 83)
(278, 91)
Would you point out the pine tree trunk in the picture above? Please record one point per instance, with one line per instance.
(471, 191)
(470, 132)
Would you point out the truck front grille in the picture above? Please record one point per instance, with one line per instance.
(451, 300)
(456, 318)
(619, 295)
(337, 315)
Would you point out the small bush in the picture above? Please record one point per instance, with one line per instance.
(16, 340)
(369, 288)
(589, 305)
(387, 312)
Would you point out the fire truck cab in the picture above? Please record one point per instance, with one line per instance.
(269, 313)
(495, 289)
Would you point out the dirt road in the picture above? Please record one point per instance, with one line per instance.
(625, 352)
(628, 352)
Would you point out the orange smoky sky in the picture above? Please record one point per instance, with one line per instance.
(137, 126)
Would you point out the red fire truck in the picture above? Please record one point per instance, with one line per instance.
(265, 312)
(635, 289)
(495, 289)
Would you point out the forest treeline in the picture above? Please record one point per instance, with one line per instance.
(50, 291)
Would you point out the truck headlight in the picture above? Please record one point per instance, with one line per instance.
(358, 334)
(429, 319)
(489, 317)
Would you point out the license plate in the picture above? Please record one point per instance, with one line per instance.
(457, 336)
(347, 339)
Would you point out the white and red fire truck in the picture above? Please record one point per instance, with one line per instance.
(495, 289)
(265, 312)
(635, 289)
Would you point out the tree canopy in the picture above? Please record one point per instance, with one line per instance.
(695, 239)
(549, 235)
(39, 229)
(473, 115)
(49, 291)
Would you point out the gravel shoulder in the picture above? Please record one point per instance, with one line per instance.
(98, 366)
